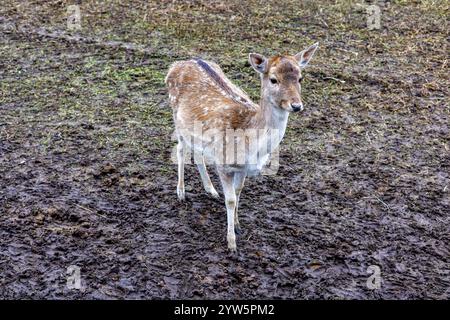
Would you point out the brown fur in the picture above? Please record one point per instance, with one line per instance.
(196, 96)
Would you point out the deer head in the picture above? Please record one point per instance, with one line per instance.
(281, 78)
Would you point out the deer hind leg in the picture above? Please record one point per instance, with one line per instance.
(239, 179)
(207, 184)
(230, 202)
(181, 151)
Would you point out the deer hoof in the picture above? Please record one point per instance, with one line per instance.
(232, 243)
(214, 193)
(233, 250)
(180, 193)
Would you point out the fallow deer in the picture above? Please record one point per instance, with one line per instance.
(201, 96)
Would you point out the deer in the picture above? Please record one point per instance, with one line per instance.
(203, 99)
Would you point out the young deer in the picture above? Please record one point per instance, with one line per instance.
(203, 100)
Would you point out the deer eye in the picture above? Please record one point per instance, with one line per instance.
(273, 80)
(300, 79)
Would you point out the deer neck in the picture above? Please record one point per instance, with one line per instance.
(275, 117)
(272, 120)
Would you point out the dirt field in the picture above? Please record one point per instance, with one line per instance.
(86, 138)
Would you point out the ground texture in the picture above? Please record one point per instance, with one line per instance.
(86, 141)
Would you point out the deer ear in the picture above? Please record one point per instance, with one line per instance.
(305, 56)
(258, 62)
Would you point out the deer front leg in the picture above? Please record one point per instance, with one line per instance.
(180, 157)
(239, 179)
(230, 202)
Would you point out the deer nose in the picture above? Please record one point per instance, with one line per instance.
(297, 106)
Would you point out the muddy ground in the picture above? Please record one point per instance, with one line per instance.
(86, 178)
